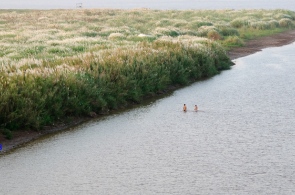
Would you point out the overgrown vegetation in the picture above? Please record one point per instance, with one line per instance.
(59, 63)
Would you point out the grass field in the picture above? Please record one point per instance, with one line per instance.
(59, 63)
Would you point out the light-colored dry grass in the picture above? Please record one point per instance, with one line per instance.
(27, 36)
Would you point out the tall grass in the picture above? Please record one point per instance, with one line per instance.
(107, 80)
(58, 63)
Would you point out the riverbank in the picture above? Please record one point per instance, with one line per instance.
(258, 44)
(252, 46)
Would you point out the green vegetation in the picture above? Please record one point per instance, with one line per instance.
(59, 63)
(7, 134)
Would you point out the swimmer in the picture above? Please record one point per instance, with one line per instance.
(184, 107)
(196, 108)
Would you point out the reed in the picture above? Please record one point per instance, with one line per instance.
(59, 63)
(104, 80)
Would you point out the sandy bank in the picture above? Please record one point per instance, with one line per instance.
(253, 46)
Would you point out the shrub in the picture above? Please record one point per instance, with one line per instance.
(260, 25)
(233, 41)
(7, 134)
(191, 33)
(274, 24)
(204, 30)
(164, 23)
(169, 31)
(214, 35)
(198, 24)
(284, 16)
(239, 22)
(228, 31)
(179, 24)
(286, 23)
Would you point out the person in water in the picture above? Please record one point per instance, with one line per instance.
(184, 107)
(196, 108)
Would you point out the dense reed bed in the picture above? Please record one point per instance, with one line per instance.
(59, 63)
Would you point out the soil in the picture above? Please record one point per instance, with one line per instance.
(258, 44)
(22, 137)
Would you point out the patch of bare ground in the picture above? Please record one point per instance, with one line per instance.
(258, 44)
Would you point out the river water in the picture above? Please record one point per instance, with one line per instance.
(153, 4)
(241, 141)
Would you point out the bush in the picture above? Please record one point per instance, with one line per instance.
(164, 23)
(7, 134)
(274, 24)
(284, 16)
(233, 41)
(169, 31)
(204, 30)
(228, 31)
(214, 35)
(261, 25)
(238, 23)
(286, 23)
(198, 24)
(179, 24)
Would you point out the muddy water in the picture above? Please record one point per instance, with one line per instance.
(241, 141)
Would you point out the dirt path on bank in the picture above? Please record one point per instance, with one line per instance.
(252, 46)
(258, 44)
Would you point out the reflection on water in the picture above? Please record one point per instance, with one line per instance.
(240, 142)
